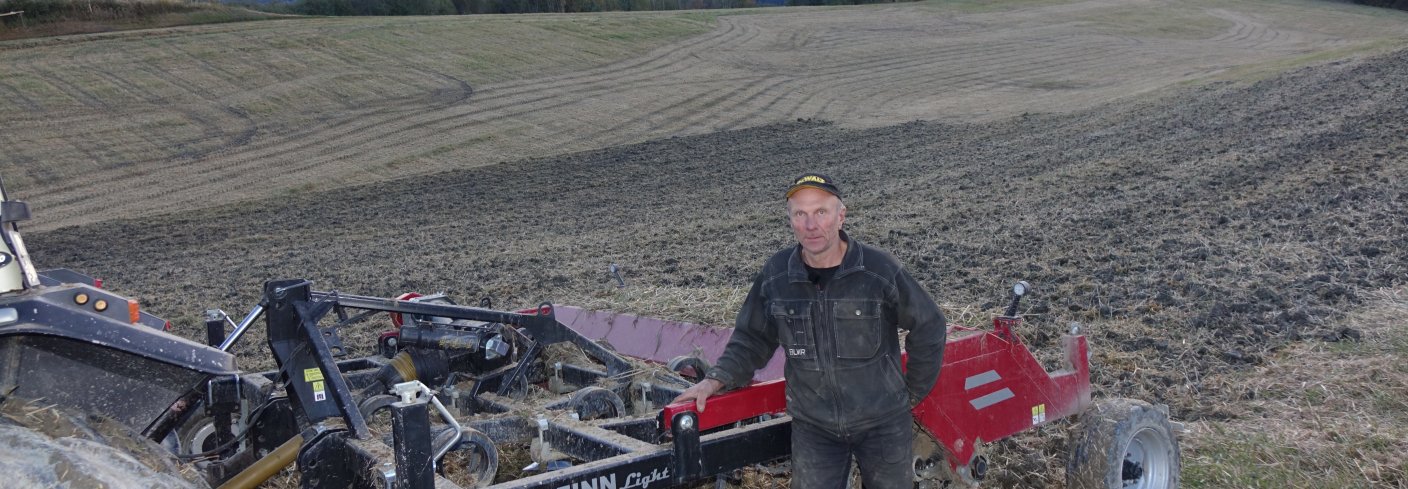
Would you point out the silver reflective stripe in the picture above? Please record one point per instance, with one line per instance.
(991, 399)
(8, 315)
(981, 379)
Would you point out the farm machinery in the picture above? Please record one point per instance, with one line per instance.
(453, 389)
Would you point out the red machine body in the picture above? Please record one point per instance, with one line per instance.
(990, 387)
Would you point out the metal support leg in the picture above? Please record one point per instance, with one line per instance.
(410, 422)
(214, 327)
(688, 461)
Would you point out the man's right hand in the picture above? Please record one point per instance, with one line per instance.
(699, 392)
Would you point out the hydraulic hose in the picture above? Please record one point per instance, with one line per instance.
(431, 366)
(405, 366)
(266, 467)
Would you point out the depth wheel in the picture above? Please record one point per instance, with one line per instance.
(691, 368)
(1123, 443)
(473, 461)
(597, 403)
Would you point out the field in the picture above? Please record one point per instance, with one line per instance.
(1216, 191)
(240, 112)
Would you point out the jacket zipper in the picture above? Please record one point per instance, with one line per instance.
(824, 324)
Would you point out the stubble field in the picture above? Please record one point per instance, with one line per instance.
(170, 120)
(1228, 226)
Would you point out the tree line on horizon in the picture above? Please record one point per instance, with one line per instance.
(52, 10)
(1394, 4)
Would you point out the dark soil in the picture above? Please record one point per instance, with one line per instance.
(1198, 230)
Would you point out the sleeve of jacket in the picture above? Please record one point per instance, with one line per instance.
(752, 344)
(928, 332)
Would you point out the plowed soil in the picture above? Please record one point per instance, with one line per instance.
(171, 120)
(1201, 230)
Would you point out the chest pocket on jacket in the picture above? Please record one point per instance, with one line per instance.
(857, 328)
(794, 322)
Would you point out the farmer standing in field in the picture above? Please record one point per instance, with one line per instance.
(836, 306)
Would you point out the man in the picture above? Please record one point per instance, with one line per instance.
(836, 306)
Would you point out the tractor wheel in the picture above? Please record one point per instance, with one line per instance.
(46, 446)
(197, 435)
(1123, 443)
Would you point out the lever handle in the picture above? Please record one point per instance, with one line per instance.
(1018, 291)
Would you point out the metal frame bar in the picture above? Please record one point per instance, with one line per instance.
(623, 451)
(543, 326)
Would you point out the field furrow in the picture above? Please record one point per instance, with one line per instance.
(232, 113)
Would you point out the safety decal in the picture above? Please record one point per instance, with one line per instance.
(314, 376)
(1038, 414)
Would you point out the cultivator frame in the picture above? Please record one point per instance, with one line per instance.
(308, 411)
(619, 452)
(471, 367)
(989, 388)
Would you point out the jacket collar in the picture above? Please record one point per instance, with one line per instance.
(851, 262)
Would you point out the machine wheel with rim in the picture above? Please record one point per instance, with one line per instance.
(1123, 443)
(196, 435)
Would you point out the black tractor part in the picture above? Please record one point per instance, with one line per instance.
(64, 344)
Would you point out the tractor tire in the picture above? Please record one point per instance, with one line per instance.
(47, 447)
(1123, 443)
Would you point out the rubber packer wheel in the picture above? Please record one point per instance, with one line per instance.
(1123, 443)
(474, 461)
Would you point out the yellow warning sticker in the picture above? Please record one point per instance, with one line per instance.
(312, 374)
(319, 393)
(1038, 414)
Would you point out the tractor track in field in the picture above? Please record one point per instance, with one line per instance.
(1194, 230)
(1193, 234)
(1228, 219)
(860, 68)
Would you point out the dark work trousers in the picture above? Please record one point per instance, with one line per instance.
(885, 454)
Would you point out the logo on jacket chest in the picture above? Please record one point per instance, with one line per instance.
(797, 352)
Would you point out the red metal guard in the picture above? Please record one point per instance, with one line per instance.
(730, 407)
(990, 387)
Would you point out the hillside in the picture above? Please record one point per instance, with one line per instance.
(1197, 235)
(167, 120)
(1232, 240)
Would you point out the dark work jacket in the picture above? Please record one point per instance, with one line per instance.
(842, 343)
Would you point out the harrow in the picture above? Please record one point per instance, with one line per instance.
(453, 388)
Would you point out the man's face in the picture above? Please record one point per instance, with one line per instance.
(816, 218)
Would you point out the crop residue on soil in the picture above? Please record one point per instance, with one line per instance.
(1193, 234)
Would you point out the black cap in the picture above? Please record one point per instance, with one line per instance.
(814, 180)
